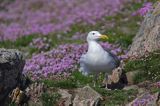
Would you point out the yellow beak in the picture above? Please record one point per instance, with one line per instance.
(103, 37)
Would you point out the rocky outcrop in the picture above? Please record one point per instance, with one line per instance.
(11, 66)
(86, 96)
(148, 37)
(146, 99)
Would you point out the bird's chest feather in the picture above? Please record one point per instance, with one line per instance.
(97, 58)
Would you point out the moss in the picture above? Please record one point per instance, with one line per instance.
(74, 81)
(50, 99)
(66, 84)
(81, 79)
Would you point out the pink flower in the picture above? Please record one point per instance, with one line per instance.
(144, 10)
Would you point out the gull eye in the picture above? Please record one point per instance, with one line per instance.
(93, 33)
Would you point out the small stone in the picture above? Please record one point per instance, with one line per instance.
(86, 96)
(141, 90)
(130, 77)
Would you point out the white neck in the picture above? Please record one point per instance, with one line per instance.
(94, 46)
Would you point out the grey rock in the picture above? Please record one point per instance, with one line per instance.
(86, 96)
(148, 37)
(11, 66)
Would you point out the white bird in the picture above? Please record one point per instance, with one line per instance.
(97, 59)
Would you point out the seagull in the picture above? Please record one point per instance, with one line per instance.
(97, 59)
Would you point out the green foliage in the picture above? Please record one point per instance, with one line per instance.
(55, 40)
(134, 65)
(65, 84)
(138, 77)
(23, 41)
(155, 90)
(149, 67)
(12, 104)
(50, 99)
(74, 81)
(80, 79)
(116, 97)
(120, 38)
(20, 42)
(33, 50)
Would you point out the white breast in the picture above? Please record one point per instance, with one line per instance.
(98, 62)
(97, 59)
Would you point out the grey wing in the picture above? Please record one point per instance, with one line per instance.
(116, 61)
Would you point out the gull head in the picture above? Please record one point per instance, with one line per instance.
(95, 36)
